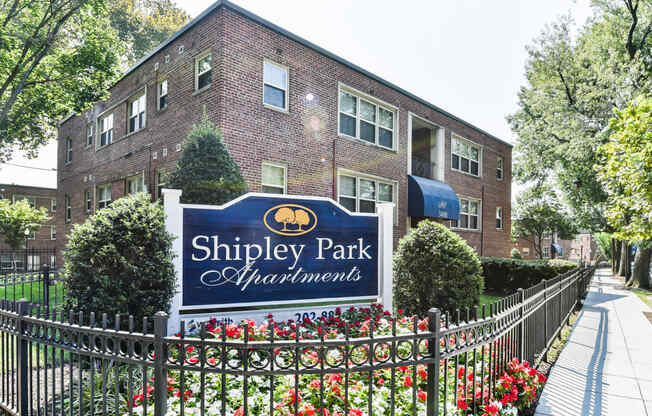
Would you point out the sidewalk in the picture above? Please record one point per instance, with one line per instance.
(606, 366)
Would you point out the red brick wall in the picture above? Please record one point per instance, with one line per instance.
(255, 134)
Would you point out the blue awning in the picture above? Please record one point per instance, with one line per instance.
(557, 248)
(430, 198)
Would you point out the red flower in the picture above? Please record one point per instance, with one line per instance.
(422, 395)
(462, 404)
(407, 381)
(355, 412)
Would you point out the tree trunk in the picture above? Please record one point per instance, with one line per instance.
(622, 267)
(641, 272)
(615, 256)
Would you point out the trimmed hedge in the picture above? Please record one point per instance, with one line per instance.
(503, 275)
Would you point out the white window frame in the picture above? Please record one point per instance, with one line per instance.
(377, 179)
(197, 74)
(285, 177)
(31, 200)
(160, 174)
(546, 252)
(53, 232)
(88, 201)
(456, 137)
(53, 205)
(479, 215)
(379, 104)
(140, 99)
(285, 88)
(90, 133)
(499, 216)
(103, 203)
(500, 167)
(68, 151)
(159, 95)
(68, 205)
(101, 130)
(135, 179)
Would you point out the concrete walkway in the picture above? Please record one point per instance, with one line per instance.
(606, 366)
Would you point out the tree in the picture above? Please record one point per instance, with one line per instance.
(56, 57)
(625, 170)
(538, 213)
(301, 217)
(284, 216)
(603, 240)
(16, 218)
(144, 24)
(205, 171)
(434, 267)
(573, 86)
(120, 261)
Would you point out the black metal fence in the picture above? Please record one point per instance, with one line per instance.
(26, 260)
(40, 287)
(61, 362)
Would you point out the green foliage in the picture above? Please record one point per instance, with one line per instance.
(503, 275)
(16, 218)
(434, 267)
(144, 24)
(206, 172)
(538, 212)
(515, 253)
(603, 240)
(56, 57)
(625, 170)
(120, 260)
(573, 85)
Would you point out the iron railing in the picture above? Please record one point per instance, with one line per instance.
(26, 260)
(61, 362)
(40, 287)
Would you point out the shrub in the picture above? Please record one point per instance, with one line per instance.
(515, 254)
(434, 267)
(120, 260)
(503, 275)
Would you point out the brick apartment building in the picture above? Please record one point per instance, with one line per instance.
(42, 238)
(582, 248)
(298, 120)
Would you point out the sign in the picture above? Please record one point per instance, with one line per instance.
(263, 251)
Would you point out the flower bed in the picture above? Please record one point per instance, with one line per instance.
(338, 393)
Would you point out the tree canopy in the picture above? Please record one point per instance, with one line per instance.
(17, 217)
(205, 171)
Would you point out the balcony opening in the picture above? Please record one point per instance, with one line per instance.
(427, 150)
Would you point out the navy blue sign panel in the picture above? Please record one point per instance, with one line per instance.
(277, 250)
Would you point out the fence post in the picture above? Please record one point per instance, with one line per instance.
(434, 326)
(561, 305)
(23, 308)
(521, 298)
(46, 285)
(545, 310)
(160, 357)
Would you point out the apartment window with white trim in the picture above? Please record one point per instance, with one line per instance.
(89, 201)
(106, 130)
(499, 218)
(30, 200)
(89, 135)
(465, 156)
(546, 252)
(68, 208)
(203, 71)
(363, 118)
(103, 196)
(469, 215)
(68, 151)
(53, 232)
(53, 205)
(275, 85)
(161, 180)
(163, 94)
(135, 184)
(274, 179)
(361, 194)
(499, 168)
(137, 113)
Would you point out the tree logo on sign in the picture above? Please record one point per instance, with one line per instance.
(290, 219)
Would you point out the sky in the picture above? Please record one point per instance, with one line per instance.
(465, 56)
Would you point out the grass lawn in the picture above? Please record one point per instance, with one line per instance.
(645, 295)
(32, 292)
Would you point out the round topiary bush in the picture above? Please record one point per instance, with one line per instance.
(515, 254)
(434, 267)
(120, 261)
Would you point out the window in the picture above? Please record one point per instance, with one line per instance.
(274, 179)
(68, 208)
(53, 205)
(469, 215)
(499, 168)
(68, 150)
(465, 157)
(203, 70)
(163, 94)
(360, 194)
(31, 201)
(53, 232)
(366, 120)
(160, 183)
(33, 262)
(53, 261)
(137, 113)
(499, 218)
(275, 85)
(103, 196)
(89, 201)
(135, 184)
(546, 252)
(89, 135)
(526, 251)
(106, 130)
